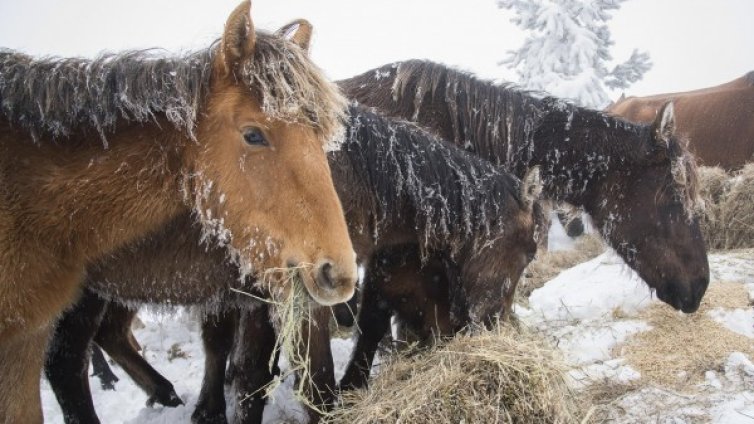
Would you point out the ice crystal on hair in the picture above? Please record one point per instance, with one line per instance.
(54, 96)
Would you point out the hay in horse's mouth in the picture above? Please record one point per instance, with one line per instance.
(291, 310)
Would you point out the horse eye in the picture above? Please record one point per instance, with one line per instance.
(254, 137)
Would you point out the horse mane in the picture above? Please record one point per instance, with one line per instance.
(454, 198)
(501, 118)
(56, 96)
(478, 109)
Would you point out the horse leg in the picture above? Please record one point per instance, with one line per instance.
(217, 337)
(373, 322)
(319, 385)
(541, 214)
(508, 295)
(21, 360)
(101, 369)
(570, 219)
(255, 340)
(67, 361)
(230, 371)
(115, 337)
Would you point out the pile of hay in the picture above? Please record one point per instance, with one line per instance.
(728, 220)
(680, 348)
(493, 376)
(548, 265)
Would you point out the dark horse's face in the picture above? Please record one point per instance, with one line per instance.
(650, 217)
(488, 277)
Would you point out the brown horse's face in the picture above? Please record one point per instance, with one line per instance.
(263, 184)
(650, 219)
(427, 311)
(489, 277)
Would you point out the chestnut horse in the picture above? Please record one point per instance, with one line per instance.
(638, 182)
(717, 121)
(399, 187)
(97, 153)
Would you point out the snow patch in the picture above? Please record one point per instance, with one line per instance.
(592, 290)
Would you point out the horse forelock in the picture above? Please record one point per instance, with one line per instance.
(56, 96)
(685, 174)
(292, 88)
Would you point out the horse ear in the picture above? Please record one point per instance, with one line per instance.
(239, 37)
(531, 187)
(299, 32)
(664, 125)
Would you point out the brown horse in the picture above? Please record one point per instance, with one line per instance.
(399, 187)
(637, 182)
(717, 121)
(97, 153)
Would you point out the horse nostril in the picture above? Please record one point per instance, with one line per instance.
(324, 276)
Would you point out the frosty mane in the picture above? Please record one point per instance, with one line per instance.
(454, 198)
(56, 96)
(479, 111)
(500, 120)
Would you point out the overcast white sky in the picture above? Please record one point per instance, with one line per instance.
(693, 43)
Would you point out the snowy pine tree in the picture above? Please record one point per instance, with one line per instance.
(568, 50)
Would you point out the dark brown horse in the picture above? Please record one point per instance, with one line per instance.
(637, 182)
(717, 121)
(399, 187)
(97, 153)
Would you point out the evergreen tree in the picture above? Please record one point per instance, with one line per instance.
(568, 50)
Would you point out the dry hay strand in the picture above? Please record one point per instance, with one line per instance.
(548, 265)
(728, 218)
(291, 309)
(712, 182)
(491, 376)
(679, 348)
(607, 395)
(738, 209)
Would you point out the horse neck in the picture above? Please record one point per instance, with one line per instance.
(576, 149)
(196, 273)
(87, 200)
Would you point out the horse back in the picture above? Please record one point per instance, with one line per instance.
(716, 121)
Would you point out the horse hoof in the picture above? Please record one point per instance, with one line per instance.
(347, 386)
(108, 384)
(205, 417)
(169, 399)
(107, 380)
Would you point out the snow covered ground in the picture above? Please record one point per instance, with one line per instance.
(588, 310)
(595, 306)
